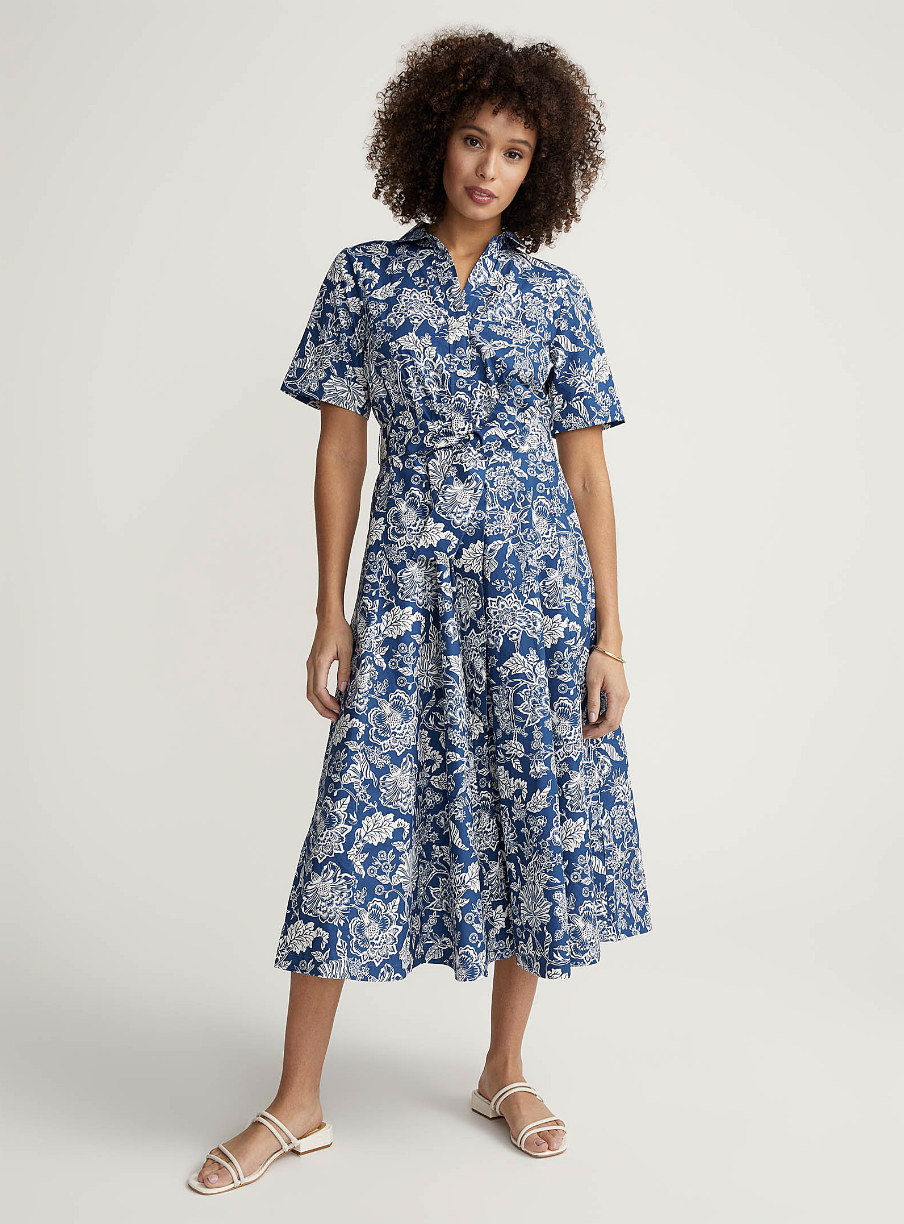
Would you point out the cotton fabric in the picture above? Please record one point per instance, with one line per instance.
(461, 817)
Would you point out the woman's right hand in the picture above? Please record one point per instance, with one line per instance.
(333, 641)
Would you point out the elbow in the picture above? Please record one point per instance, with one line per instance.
(342, 461)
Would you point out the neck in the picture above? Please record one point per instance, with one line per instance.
(462, 235)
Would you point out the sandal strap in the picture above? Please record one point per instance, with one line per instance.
(237, 1167)
(542, 1125)
(274, 1132)
(292, 1141)
(519, 1086)
(531, 1127)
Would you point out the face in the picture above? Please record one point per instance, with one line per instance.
(487, 158)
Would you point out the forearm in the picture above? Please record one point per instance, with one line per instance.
(593, 501)
(338, 480)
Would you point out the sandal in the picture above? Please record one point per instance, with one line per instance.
(320, 1137)
(490, 1109)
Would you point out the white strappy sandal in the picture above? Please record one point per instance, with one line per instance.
(320, 1137)
(490, 1109)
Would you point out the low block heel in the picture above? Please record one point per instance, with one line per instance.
(482, 1106)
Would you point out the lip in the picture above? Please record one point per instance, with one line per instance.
(479, 196)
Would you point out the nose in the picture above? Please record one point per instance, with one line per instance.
(487, 168)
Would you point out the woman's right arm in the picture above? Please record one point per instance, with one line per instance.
(338, 479)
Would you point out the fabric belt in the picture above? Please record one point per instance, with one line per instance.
(446, 495)
(517, 431)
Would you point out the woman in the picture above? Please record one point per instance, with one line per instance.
(474, 805)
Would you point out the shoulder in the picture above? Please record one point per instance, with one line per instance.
(367, 263)
(374, 250)
(562, 289)
(564, 277)
(557, 278)
(352, 268)
(348, 258)
(544, 266)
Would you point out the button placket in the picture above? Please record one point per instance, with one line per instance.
(454, 298)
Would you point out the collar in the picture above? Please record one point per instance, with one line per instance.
(419, 232)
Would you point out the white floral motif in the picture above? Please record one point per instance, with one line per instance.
(393, 718)
(327, 894)
(301, 935)
(461, 816)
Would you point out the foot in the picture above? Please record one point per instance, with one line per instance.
(256, 1142)
(519, 1108)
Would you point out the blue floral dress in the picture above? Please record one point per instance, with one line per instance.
(461, 816)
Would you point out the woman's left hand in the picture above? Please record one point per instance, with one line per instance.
(604, 675)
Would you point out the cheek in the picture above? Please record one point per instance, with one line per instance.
(454, 168)
(513, 181)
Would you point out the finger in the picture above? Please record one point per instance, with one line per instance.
(322, 709)
(328, 701)
(615, 708)
(596, 716)
(594, 700)
(345, 667)
(317, 701)
(320, 678)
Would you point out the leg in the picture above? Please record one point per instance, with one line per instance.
(312, 1009)
(513, 996)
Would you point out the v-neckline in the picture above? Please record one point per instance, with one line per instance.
(462, 289)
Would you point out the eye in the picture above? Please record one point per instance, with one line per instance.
(474, 138)
(519, 156)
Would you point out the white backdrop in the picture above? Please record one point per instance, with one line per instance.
(180, 176)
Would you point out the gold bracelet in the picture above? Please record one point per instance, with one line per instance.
(610, 654)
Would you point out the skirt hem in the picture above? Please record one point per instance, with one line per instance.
(474, 974)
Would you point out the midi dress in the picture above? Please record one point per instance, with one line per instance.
(461, 816)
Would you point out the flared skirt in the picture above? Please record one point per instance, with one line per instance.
(461, 816)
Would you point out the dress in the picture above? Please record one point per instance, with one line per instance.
(461, 816)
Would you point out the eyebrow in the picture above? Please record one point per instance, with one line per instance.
(484, 132)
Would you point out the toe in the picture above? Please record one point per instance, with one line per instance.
(215, 1174)
(537, 1142)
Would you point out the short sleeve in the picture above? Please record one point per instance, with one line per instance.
(580, 386)
(330, 361)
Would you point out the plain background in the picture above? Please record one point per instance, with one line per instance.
(179, 177)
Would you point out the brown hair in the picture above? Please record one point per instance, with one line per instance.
(449, 78)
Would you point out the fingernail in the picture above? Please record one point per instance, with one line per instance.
(342, 686)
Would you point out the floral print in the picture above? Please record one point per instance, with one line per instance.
(461, 816)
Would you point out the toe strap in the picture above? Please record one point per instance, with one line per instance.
(532, 1127)
(230, 1162)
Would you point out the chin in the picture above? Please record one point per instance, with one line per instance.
(477, 212)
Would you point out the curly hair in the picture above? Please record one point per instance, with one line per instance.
(448, 79)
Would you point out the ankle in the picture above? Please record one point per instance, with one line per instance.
(506, 1067)
(295, 1105)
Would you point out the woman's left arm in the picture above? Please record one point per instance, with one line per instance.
(583, 465)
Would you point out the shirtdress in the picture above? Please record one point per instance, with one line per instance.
(461, 816)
